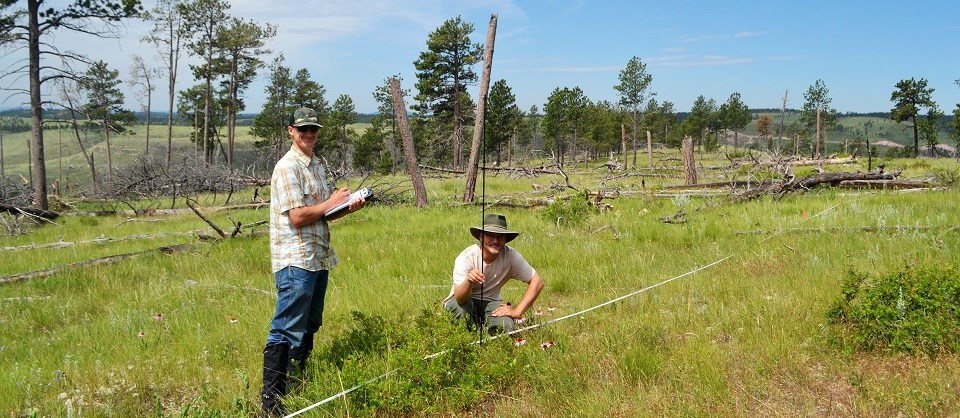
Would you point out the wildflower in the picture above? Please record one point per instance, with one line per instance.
(158, 317)
(520, 320)
(519, 341)
(805, 214)
(141, 334)
(233, 319)
(551, 308)
(547, 345)
(538, 312)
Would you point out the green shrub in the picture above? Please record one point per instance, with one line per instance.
(946, 176)
(460, 376)
(915, 310)
(573, 211)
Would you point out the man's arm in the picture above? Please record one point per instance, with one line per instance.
(530, 296)
(462, 291)
(306, 215)
(354, 206)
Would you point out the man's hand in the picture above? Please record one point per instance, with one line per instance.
(339, 196)
(507, 309)
(357, 204)
(475, 276)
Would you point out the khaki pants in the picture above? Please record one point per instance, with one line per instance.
(472, 309)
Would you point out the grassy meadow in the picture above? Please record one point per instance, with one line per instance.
(735, 324)
(180, 333)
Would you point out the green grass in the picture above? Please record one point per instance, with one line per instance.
(745, 337)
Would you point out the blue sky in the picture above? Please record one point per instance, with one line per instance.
(860, 49)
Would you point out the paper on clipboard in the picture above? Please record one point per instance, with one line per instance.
(364, 193)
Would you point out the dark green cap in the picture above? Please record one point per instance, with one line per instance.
(304, 116)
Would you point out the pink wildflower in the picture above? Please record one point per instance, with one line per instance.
(519, 341)
(233, 319)
(158, 317)
(141, 334)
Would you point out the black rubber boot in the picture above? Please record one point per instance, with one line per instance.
(299, 355)
(275, 361)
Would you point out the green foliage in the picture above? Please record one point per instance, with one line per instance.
(735, 114)
(767, 174)
(740, 327)
(817, 98)
(502, 119)
(914, 310)
(434, 365)
(369, 153)
(947, 176)
(909, 98)
(445, 69)
(368, 335)
(562, 117)
(571, 212)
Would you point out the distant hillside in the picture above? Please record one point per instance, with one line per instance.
(11, 124)
(873, 125)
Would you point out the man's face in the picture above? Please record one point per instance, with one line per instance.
(493, 243)
(304, 137)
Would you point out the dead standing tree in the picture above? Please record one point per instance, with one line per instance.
(623, 145)
(481, 112)
(649, 150)
(409, 152)
(689, 167)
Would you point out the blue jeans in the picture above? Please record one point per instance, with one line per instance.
(300, 295)
(472, 310)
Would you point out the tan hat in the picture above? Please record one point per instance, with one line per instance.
(494, 223)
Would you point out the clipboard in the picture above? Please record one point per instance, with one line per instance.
(364, 193)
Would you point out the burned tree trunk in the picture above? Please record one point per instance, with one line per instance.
(481, 113)
(649, 150)
(689, 167)
(409, 152)
(831, 179)
(623, 144)
(40, 213)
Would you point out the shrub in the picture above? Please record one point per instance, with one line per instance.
(946, 176)
(573, 211)
(419, 382)
(915, 310)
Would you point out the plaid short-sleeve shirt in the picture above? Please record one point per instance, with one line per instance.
(299, 180)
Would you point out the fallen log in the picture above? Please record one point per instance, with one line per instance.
(887, 184)
(494, 169)
(16, 210)
(168, 249)
(101, 240)
(809, 182)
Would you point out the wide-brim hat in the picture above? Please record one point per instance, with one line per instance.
(305, 116)
(494, 223)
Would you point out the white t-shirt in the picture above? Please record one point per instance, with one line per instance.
(508, 265)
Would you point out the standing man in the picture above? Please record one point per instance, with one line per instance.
(482, 269)
(301, 255)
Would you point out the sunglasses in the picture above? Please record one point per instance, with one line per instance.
(308, 128)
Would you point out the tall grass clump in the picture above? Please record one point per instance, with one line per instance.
(913, 310)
